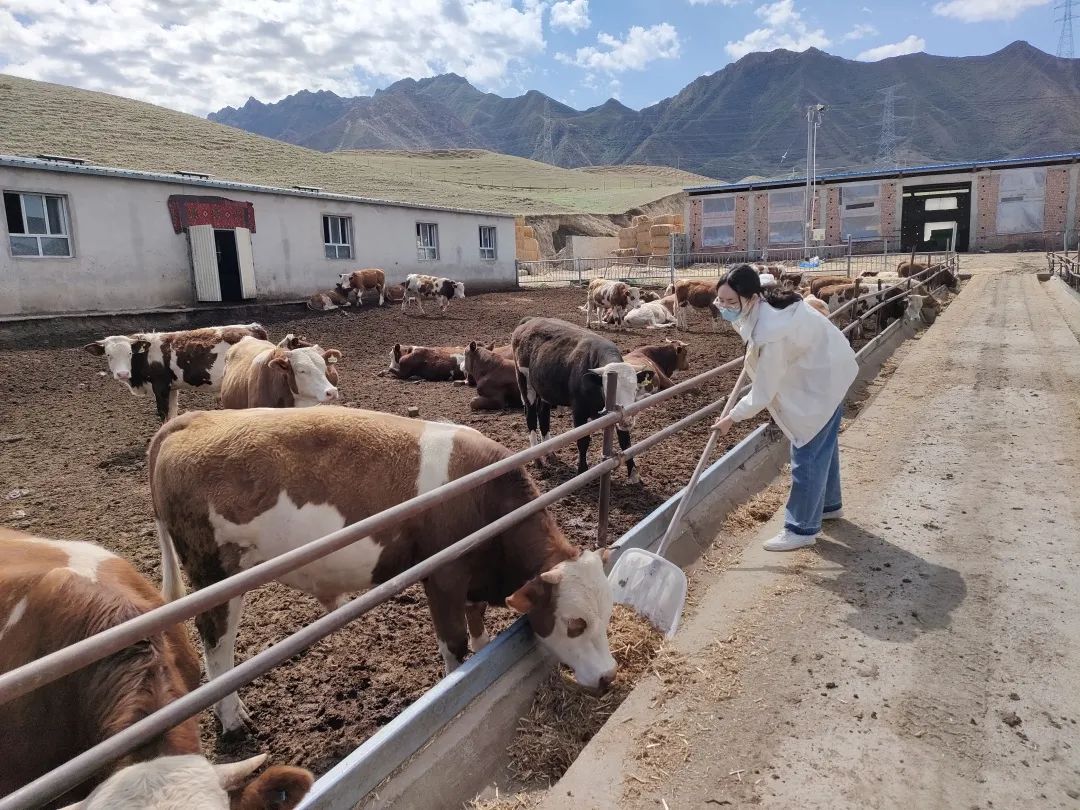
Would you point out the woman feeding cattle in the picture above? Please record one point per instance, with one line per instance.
(800, 367)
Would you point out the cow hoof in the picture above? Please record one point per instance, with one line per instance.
(634, 478)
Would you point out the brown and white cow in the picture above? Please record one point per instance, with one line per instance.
(618, 297)
(430, 363)
(836, 295)
(910, 267)
(259, 374)
(819, 282)
(163, 362)
(232, 489)
(440, 290)
(812, 300)
(190, 782)
(664, 359)
(54, 593)
(653, 315)
(359, 282)
(494, 377)
(696, 293)
(328, 300)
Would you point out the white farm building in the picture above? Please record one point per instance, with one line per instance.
(83, 238)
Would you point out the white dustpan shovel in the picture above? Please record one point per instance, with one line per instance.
(644, 580)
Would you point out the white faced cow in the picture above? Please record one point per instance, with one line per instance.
(618, 297)
(232, 489)
(259, 374)
(163, 362)
(440, 290)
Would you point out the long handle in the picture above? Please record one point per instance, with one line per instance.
(684, 502)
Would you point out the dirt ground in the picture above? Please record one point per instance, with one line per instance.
(75, 440)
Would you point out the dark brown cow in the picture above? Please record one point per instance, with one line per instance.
(54, 593)
(494, 377)
(359, 282)
(232, 489)
(440, 290)
(259, 374)
(431, 363)
(908, 267)
(664, 359)
(163, 362)
(694, 293)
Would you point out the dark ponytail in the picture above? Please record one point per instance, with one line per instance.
(745, 281)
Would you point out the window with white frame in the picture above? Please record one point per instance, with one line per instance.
(860, 211)
(337, 236)
(37, 224)
(427, 241)
(487, 242)
(786, 213)
(718, 221)
(1021, 200)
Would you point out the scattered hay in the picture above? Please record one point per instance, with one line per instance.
(564, 717)
(517, 801)
(757, 510)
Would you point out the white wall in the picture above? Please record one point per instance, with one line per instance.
(127, 256)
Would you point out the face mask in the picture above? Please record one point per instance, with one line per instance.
(730, 315)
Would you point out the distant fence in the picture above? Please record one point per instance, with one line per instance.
(1066, 267)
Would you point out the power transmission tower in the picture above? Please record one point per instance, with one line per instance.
(1065, 40)
(888, 142)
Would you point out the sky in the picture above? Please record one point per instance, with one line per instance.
(200, 55)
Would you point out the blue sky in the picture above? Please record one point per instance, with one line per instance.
(201, 55)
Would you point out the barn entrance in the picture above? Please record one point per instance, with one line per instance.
(228, 265)
(936, 217)
(223, 263)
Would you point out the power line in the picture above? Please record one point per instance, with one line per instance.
(1065, 39)
(888, 142)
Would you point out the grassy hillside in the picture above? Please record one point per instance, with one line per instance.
(113, 131)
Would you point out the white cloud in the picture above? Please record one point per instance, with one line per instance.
(859, 31)
(983, 10)
(784, 28)
(199, 55)
(910, 44)
(571, 14)
(614, 55)
(728, 3)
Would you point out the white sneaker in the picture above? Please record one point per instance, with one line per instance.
(835, 514)
(788, 540)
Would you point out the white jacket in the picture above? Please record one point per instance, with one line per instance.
(801, 367)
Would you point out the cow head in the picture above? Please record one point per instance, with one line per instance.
(632, 383)
(119, 351)
(468, 364)
(633, 297)
(291, 341)
(396, 354)
(312, 373)
(344, 281)
(569, 608)
(459, 289)
(681, 361)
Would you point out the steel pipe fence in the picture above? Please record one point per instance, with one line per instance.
(1066, 267)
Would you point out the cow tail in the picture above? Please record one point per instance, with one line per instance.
(172, 585)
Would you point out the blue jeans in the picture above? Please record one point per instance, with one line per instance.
(815, 479)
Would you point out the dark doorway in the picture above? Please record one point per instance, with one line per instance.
(228, 265)
(936, 217)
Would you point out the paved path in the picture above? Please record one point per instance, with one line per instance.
(926, 653)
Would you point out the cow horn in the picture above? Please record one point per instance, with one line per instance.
(231, 775)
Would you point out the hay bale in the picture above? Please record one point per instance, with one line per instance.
(665, 219)
(639, 219)
(661, 231)
(529, 232)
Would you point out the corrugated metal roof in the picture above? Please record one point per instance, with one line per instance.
(20, 162)
(872, 174)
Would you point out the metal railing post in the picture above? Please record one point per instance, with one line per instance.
(849, 256)
(610, 384)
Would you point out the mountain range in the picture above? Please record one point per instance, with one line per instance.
(747, 119)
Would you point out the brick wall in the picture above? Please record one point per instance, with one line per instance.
(887, 204)
(1057, 199)
(742, 221)
(693, 227)
(761, 219)
(833, 221)
(987, 191)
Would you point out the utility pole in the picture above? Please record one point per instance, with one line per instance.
(1065, 40)
(888, 142)
(813, 121)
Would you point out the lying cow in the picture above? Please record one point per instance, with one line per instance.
(259, 374)
(55, 593)
(618, 297)
(664, 360)
(430, 363)
(232, 489)
(359, 282)
(440, 290)
(819, 282)
(164, 362)
(700, 295)
(190, 782)
(328, 300)
(561, 364)
(494, 377)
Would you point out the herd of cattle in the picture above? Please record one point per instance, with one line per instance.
(266, 474)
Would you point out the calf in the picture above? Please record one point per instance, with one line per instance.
(259, 374)
(909, 267)
(232, 489)
(616, 296)
(559, 363)
(328, 300)
(818, 282)
(494, 377)
(836, 295)
(653, 315)
(191, 782)
(664, 360)
(441, 290)
(694, 293)
(813, 301)
(55, 593)
(431, 363)
(164, 362)
(359, 282)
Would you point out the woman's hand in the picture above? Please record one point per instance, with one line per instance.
(723, 426)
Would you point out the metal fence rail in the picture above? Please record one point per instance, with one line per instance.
(1066, 267)
(56, 665)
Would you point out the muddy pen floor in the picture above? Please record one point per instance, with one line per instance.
(75, 440)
